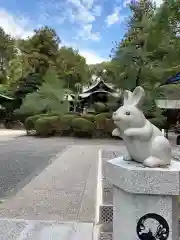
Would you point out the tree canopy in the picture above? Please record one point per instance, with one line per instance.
(149, 52)
(72, 67)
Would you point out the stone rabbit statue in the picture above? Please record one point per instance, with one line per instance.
(144, 141)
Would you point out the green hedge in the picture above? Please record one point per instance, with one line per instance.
(100, 120)
(30, 121)
(104, 124)
(100, 107)
(65, 126)
(46, 126)
(83, 127)
(88, 125)
(89, 117)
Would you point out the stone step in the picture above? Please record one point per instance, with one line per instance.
(13, 229)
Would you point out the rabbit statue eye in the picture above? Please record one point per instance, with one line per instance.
(128, 113)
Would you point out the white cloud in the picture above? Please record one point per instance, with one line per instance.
(87, 34)
(15, 26)
(91, 57)
(97, 10)
(80, 12)
(83, 13)
(114, 17)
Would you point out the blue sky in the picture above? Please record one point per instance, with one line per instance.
(88, 25)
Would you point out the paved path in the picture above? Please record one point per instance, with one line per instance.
(11, 229)
(50, 180)
(64, 191)
(21, 159)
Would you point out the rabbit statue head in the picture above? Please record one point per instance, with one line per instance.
(129, 115)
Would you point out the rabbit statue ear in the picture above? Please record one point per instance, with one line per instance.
(127, 97)
(137, 96)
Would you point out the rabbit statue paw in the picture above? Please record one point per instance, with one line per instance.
(144, 141)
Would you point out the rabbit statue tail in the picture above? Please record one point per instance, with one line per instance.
(160, 153)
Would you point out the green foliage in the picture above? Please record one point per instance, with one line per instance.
(17, 71)
(89, 117)
(149, 52)
(102, 116)
(66, 122)
(72, 67)
(28, 84)
(41, 49)
(65, 125)
(46, 126)
(104, 124)
(82, 127)
(30, 122)
(100, 107)
(109, 127)
(49, 97)
(7, 51)
(4, 89)
(100, 120)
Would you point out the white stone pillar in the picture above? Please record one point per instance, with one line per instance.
(145, 200)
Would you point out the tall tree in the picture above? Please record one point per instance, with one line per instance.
(139, 57)
(17, 69)
(41, 49)
(72, 67)
(7, 51)
(131, 55)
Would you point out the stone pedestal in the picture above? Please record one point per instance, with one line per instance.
(145, 200)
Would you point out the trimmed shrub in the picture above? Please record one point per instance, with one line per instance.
(100, 120)
(17, 115)
(73, 113)
(103, 122)
(46, 126)
(65, 126)
(30, 122)
(100, 107)
(83, 127)
(89, 117)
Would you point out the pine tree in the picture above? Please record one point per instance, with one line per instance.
(135, 57)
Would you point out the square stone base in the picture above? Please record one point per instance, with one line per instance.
(160, 216)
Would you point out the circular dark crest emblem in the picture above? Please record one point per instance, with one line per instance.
(152, 227)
